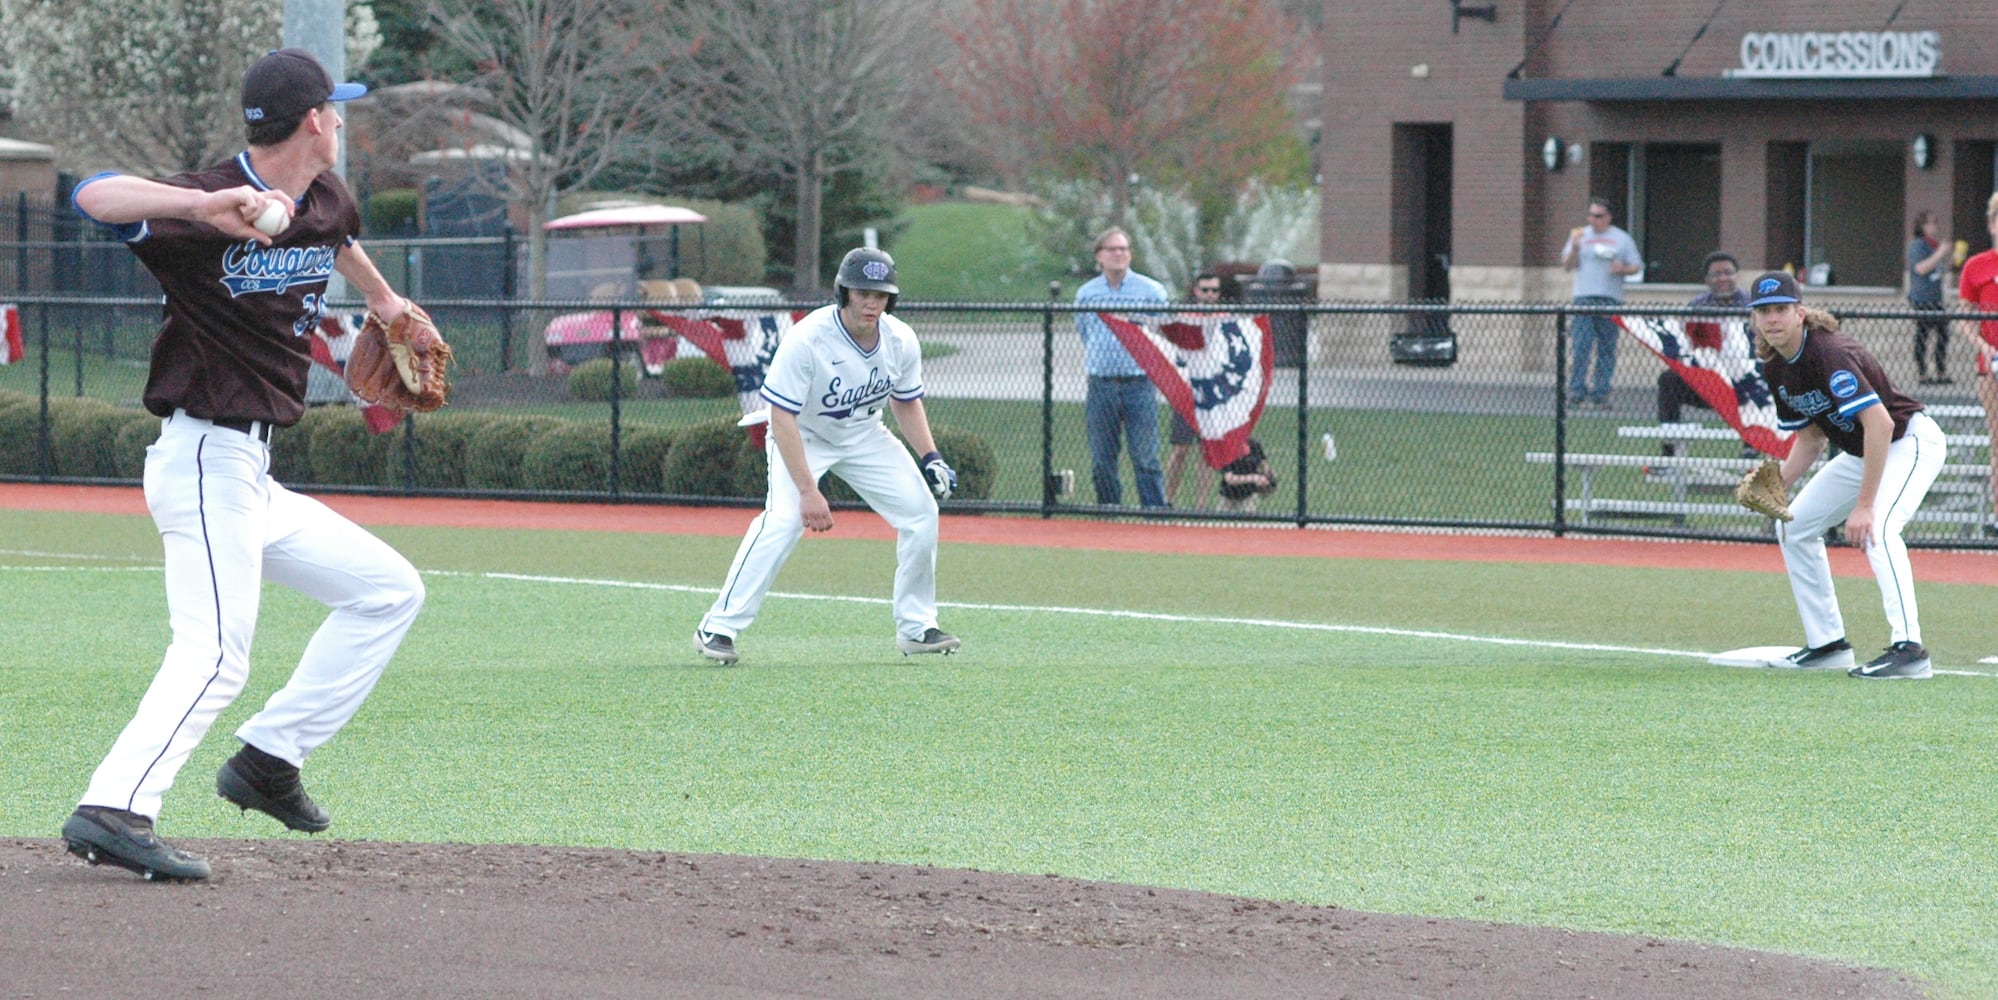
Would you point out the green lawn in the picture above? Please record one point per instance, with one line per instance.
(1330, 732)
(964, 252)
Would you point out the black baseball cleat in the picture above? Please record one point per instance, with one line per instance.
(102, 835)
(934, 640)
(715, 646)
(1903, 661)
(256, 780)
(1834, 654)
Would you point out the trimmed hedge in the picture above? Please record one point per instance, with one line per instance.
(706, 461)
(591, 380)
(440, 441)
(291, 447)
(331, 446)
(971, 456)
(344, 452)
(642, 458)
(135, 435)
(697, 377)
(20, 438)
(81, 436)
(393, 211)
(493, 453)
(574, 458)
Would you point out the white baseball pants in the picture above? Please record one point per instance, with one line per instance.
(226, 527)
(1827, 500)
(880, 470)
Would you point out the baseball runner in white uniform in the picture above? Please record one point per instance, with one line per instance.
(229, 363)
(833, 373)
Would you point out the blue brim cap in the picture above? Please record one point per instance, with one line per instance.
(1773, 289)
(288, 83)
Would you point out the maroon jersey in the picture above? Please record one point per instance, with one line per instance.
(1829, 381)
(238, 313)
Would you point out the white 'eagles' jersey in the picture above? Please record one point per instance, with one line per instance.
(836, 389)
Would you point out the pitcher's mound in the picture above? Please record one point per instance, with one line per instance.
(361, 919)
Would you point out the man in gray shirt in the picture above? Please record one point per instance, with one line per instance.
(1601, 255)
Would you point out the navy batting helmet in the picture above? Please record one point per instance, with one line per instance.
(868, 269)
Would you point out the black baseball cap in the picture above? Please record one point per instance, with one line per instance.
(1774, 288)
(288, 83)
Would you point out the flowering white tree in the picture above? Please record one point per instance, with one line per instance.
(112, 89)
(109, 88)
(1270, 222)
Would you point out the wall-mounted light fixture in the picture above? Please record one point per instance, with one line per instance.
(1556, 152)
(1487, 13)
(1923, 149)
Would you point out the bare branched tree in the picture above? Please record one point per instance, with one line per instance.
(579, 78)
(109, 87)
(806, 89)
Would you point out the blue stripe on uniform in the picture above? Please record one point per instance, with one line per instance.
(1859, 404)
(788, 406)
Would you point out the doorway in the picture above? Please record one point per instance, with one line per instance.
(1423, 173)
(1857, 197)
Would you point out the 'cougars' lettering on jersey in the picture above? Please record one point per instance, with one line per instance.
(1814, 404)
(251, 267)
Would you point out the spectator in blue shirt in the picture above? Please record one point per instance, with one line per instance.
(1121, 398)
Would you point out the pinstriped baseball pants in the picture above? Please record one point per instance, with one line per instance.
(1827, 499)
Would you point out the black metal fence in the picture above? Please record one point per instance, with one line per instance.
(1369, 426)
(46, 248)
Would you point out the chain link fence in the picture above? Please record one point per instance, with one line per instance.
(1413, 415)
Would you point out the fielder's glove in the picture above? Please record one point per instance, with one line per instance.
(1761, 490)
(942, 478)
(404, 365)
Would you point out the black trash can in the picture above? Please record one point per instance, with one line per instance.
(1428, 342)
(1277, 281)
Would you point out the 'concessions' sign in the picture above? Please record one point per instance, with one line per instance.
(1840, 54)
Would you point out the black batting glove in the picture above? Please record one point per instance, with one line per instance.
(942, 478)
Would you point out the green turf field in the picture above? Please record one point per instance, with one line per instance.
(1531, 744)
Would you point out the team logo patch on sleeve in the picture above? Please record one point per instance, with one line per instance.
(1844, 384)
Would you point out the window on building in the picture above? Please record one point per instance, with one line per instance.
(1676, 189)
(1670, 196)
(1855, 196)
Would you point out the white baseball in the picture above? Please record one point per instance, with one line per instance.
(273, 219)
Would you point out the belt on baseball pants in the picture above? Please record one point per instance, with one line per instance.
(259, 429)
(255, 428)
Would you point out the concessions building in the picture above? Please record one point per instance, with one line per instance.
(1463, 139)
